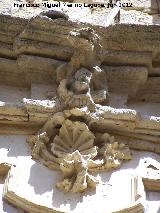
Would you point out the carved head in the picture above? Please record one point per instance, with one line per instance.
(82, 81)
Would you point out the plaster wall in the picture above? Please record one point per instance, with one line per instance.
(38, 183)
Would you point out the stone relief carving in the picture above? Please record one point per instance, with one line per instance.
(66, 142)
(147, 127)
(81, 81)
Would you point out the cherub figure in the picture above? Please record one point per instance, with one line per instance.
(76, 91)
(85, 64)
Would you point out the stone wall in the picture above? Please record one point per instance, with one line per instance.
(36, 47)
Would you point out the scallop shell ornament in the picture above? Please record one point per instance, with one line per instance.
(71, 149)
(74, 148)
(74, 136)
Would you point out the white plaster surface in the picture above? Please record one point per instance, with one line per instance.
(13, 94)
(4, 207)
(12, 150)
(37, 183)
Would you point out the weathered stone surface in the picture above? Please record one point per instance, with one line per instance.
(125, 79)
(44, 41)
(9, 72)
(10, 27)
(39, 106)
(41, 48)
(150, 91)
(149, 122)
(12, 127)
(12, 109)
(6, 50)
(132, 37)
(12, 113)
(136, 58)
(137, 144)
(154, 72)
(38, 63)
(124, 122)
(156, 60)
(4, 168)
(37, 69)
(111, 30)
(132, 209)
(152, 184)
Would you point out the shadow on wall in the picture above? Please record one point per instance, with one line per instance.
(131, 164)
(18, 147)
(41, 178)
(153, 196)
(14, 145)
(44, 180)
